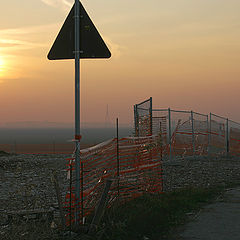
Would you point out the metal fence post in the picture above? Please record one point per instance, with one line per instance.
(161, 140)
(193, 136)
(135, 120)
(209, 135)
(150, 113)
(227, 138)
(169, 134)
(208, 141)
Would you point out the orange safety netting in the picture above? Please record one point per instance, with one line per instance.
(138, 171)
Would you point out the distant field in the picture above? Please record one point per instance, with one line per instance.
(53, 140)
(62, 148)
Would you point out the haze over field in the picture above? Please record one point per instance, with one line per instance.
(58, 135)
(185, 54)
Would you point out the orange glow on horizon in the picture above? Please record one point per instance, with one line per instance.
(184, 54)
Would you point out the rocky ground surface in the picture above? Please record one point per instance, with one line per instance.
(201, 171)
(25, 180)
(25, 183)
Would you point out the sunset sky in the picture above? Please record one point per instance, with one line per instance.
(183, 53)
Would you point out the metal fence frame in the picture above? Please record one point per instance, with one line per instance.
(208, 132)
(137, 123)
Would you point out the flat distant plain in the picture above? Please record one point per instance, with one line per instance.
(53, 140)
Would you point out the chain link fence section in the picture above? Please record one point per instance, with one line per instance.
(180, 133)
(143, 118)
(218, 134)
(200, 133)
(234, 137)
(187, 133)
(160, 127)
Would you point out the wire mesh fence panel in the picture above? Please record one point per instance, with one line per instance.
(234, 137)
(160, 128)
(143, 118)
(185, 133)
(181, 133)
(218, 130)
(200, 133)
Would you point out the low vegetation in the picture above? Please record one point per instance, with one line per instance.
(149, 217)
(3, 153)
(155, 216)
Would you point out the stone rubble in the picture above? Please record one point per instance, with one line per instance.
(25, 179)
(201, 171)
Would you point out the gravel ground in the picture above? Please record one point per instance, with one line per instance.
(25, 181)
(201, 171)
(25, 184)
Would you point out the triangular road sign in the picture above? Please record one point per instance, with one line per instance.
(91, 43)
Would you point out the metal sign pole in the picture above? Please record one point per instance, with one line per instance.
(63, 48)
(77, 107)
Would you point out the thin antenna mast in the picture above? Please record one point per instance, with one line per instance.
(107, 119)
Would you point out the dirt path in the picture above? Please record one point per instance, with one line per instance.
(217, 221)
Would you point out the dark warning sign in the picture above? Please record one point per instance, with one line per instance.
(91, 42)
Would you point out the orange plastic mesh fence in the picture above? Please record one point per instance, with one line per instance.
(139, 171)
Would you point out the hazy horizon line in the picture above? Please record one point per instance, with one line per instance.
(49, 124)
